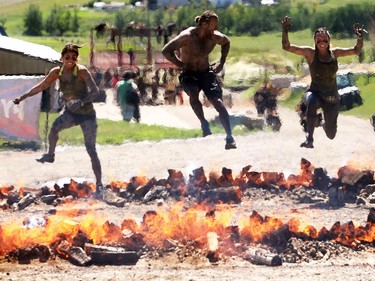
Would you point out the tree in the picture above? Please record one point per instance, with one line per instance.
(58, 22)
(33, 21)
(75, 22)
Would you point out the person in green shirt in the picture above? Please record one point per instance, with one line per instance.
(128, 98)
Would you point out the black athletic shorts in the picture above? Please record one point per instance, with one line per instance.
(206, 81)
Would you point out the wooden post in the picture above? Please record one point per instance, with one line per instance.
(92, 47)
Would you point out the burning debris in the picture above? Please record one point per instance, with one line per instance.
(201, 223)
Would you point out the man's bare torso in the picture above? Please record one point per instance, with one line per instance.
(195, 50)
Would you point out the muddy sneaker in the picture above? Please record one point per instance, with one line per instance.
(111, 198)
(98, 194)
(230, 143)
(50, 158)
(206, 131)
(308, 143)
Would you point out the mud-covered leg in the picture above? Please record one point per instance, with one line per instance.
(64, 121)
(89, 128)
(313, 103)
(331, 113)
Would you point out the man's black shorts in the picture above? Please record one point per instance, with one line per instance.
(192, 81)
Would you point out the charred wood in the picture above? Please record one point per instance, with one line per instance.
(111, 255)
(263, 259)
(80, 239)
(156, 192)
(48, 199)
(222, 194)
(13, 197)
(176, 179)
(279, 237)
(142, 190)
(76, 255)
(198, 178)
(371, 216)
(320, 179)
(25, 201)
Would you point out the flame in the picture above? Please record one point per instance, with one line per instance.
(201, 223)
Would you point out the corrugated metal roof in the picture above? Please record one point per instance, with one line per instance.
(29, 49)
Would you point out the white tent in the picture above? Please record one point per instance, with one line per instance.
(18, 57)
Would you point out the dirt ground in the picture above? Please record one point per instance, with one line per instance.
(263, 150)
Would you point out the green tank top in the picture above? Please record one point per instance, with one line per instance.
(76, 89)
(323, 77)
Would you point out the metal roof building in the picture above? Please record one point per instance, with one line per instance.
(18, 57)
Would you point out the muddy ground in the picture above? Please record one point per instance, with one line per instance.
(263, 150)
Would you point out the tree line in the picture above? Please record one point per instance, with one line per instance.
(237, 19)
(58, 22)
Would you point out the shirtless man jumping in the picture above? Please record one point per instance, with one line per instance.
(190, 51)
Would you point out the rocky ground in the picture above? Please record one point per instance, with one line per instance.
(263, 150)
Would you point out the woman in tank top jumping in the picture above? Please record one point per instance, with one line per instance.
(323, 66)
(78, 92)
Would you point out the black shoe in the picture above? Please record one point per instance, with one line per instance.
(98, 194)
(308, 143)
(230, 143)
(50, 158)
(206, 131)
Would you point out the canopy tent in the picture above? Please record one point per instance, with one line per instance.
(20, 57)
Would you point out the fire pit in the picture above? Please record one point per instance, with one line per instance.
(214, 216)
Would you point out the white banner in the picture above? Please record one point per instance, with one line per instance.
(19, 122)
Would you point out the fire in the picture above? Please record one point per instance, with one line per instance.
(199, 223)
(210, 224)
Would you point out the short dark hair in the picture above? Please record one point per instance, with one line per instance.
(205, 17)
(128, 74)
(70, 47)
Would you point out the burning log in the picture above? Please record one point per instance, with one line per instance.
(74, 189)
(176, 179)
(212, 247)
(25, 255)
(336, 196)
(320, 179)
(198, 178)
(350, 176)
(110, 255)
(142, 190)
(156, 192)
(278, 237)
(222, 194)
(260, 258)
(306, 174)
(48, 199)
(76, 255)
(24, 202)
(371, 216)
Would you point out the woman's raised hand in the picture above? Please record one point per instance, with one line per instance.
(359, 30)
(286, 23)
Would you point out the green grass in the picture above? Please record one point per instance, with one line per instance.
(118, 132)
(366, 85)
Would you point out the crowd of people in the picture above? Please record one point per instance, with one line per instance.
(189, 51)
(156, 85)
